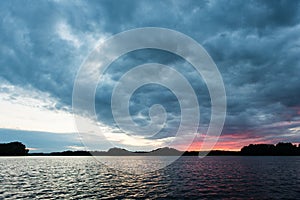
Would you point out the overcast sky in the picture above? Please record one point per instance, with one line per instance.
(255, 45)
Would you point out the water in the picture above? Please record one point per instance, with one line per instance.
(189, 177)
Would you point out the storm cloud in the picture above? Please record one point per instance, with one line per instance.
(255, 45)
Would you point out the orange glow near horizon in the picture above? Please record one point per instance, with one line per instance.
(227, 146)
(233, 143)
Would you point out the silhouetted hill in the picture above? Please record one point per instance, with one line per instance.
(166, 151)
(13, 149)
(118, 152)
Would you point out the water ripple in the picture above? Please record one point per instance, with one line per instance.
(188, 177)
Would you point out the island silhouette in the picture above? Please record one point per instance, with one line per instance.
(280, 149)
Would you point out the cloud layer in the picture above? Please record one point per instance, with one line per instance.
(256, 47)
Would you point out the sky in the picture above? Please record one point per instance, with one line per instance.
(255, 45)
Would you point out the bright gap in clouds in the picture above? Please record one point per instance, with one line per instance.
(32, 110)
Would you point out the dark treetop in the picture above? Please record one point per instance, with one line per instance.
(280, 149)
(13, 149)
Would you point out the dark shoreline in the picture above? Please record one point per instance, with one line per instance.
(280, 149)
(179, 153)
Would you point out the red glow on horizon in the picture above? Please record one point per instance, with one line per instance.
(225, 146)
(233, 143)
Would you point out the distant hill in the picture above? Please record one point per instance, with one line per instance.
(13, 149)
(166, 151)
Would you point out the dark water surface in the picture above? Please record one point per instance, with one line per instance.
(187, 178)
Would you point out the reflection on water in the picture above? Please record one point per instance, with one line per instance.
(136, 164)
(188, 177)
